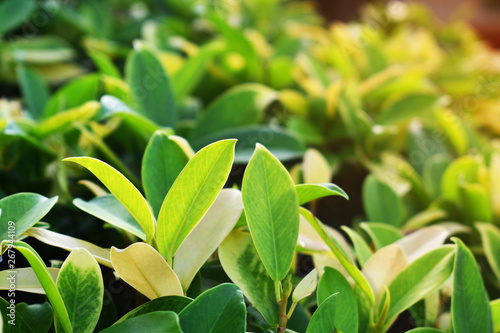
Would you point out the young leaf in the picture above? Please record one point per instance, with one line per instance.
(172, 303)
(470, 308)
(490, 236)
(220, 309)
(348, 265)
(323, 319)
(47, 283)
(34, 318)
(310, 192)
(70, 243)
(333, 282)
(306, 286)
(141, 266)
(420, 278)
(249, 99)
(81, 287)
(207, 235)
(271, 207)
(24, 209)
(109, 209)
(26, 279)
(495, 314)
(123, 190)
(158, 321)
(150, 86)
(163, 161)
(242, 264)
(192, 194)
(381, 203)
(315, 168)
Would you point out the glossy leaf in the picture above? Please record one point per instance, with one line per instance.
(109, 209)
(310, 192)
(150, 87)
(495, 314)
(64, 121)
(242, 264)
(220, 309)
(240, 106)
(158, 321)
(421, 277)
(271, 208)
(163, 161)
(470, 308)
(363, 251)
(323, 319)
(333, 282)
(207, 235)
(166, 303)
(70, 243)
(81, 287)
(34, 318)
(24, 209)
(306, 286)
(381, 202)
(123, 190)
(381, 234)
(141, 266)
(192, 194)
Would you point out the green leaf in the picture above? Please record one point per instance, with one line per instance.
(164, 159)
(34, 318)
(240, 106)
(363, 251)
(70, 243)
(81, 287)
(315, 167)
(46, 281)
(123, 190)
(104, 63)
(420, 278)
(495, 314)
(112, 106)
(271, 208)
(280, 143)
(218, 310)
(323, 319)
(64, 121)
(13, 13)
(381, 234)
(35, 90)
(142, 267)
(462, 170)
(109, 209)
(408, 107)
(24, 209)
(470, 308)
(242, 264)
(337, 251)
(150, 86)
(310, 192)
(73, 94)
(158, 321)
(206, 237)
(333, 282)
(192, 194)
(381, 202)
(172, 303)
(490, 236)
(475, 202)
(425, 330)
